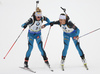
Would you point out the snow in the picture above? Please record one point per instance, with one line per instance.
(84, 13)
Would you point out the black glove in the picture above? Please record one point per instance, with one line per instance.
(51, 24)
(24, 25)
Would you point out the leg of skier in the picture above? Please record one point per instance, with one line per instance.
(40, 46)
(77, 44)
(30, 47)
(66, 44)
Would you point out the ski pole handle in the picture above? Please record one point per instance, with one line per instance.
(89, 33)
(63, 9)
(37, 2)
(13, 44)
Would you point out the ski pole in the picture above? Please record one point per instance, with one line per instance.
(89, 33)
(63, 9)
(14, 43)
(47, 37)
(37, 2)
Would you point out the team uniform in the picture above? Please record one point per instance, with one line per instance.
(34, 33)
(69, 31)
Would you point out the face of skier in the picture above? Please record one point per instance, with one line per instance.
(38, 18)
(62, 21)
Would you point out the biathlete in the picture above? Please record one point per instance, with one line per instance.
(69, 31)
(34, 32)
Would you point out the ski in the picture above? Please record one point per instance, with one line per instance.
(85, 65)
(62, 67)
(28, 69)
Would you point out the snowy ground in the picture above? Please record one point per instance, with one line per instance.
(85, 14)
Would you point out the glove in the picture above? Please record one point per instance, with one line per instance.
(43, 26)
(76, 37)
(51, 24)
(24, 26)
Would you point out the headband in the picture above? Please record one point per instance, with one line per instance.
(62, 17)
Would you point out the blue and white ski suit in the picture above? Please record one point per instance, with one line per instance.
(35, 33)
(69, 31)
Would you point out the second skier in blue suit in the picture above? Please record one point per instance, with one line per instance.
(69, 31)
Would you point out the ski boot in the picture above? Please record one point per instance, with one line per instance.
(62, 62)
(84, 62)
(26, 63)
(47, 62)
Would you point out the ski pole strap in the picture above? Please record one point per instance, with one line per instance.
(89, 32)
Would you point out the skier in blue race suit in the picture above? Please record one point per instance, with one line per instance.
(34, 32)
(69, 31)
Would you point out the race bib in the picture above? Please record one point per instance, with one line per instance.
(36, 26)
(66, 29)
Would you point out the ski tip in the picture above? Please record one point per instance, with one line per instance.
(4, 58)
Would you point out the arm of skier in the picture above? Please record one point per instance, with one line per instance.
(50, 23)
(75, 28)
(47, 20)
(27, 23)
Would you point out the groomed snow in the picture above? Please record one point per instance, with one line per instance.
(84, 13)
